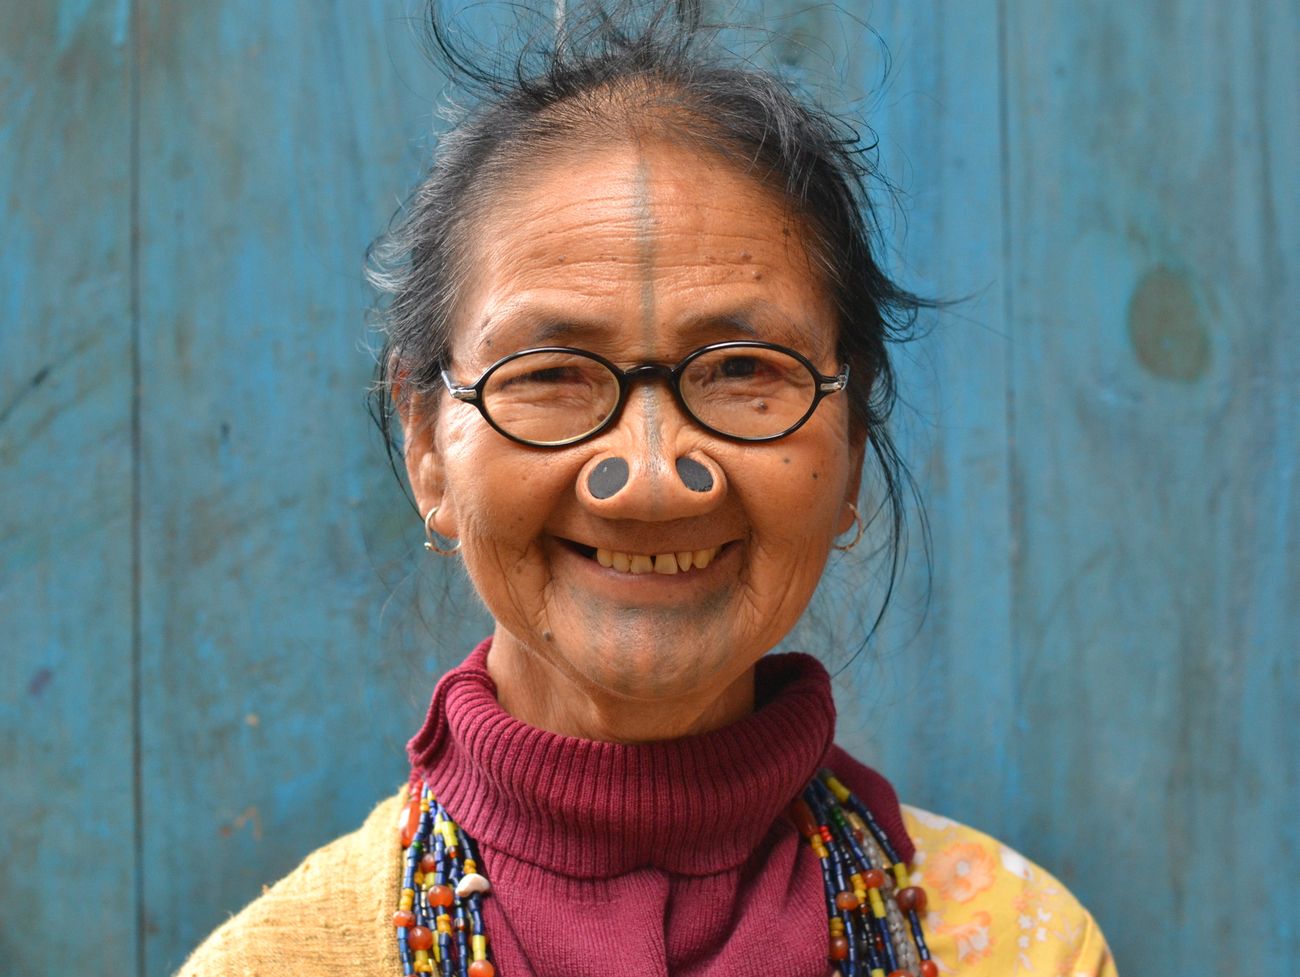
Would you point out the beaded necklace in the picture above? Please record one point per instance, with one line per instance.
(874, 914)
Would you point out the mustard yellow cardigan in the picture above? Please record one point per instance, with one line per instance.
(992, 913)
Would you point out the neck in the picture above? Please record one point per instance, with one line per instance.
(541, 694)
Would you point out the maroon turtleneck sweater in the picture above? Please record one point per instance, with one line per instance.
(676, 857)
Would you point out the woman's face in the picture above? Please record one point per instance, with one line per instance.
(641, 254)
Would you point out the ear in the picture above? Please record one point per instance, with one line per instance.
(857, 457)
(424, 463)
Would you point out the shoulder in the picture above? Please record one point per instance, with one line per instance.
(992, 911)
(346, 889)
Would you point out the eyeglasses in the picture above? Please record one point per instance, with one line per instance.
(557, 396)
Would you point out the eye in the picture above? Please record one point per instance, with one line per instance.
(728, 370)
(742, 368)
(549, 375)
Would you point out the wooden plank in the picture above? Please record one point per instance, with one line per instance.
(1157, 573)
(947, 689)
(276, 140)
(927, 86)
(65, 498)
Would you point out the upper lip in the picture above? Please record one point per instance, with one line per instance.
(678, 545)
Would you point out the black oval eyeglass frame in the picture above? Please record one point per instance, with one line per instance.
(823, 388)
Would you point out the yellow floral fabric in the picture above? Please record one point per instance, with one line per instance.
(993, 913)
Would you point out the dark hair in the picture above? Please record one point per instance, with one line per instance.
(643, 67)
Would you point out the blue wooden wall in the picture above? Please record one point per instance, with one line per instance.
(216, 626)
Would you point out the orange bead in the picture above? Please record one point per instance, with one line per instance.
(839, 947)
(482, 968)
(440, 895)
(412, 823)
(428, 864)
(403, 918)
(846, 900)
(929, 968)
(873, 878)
(802, 816)
(912, 899)
(900, 973)
(419, 938)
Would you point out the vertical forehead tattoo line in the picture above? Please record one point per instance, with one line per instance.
(646, 260)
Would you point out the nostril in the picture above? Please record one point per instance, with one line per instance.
(694, 476)
(608, 478)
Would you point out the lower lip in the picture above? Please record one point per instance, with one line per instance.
(649, 586)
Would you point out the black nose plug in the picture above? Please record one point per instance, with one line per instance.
(608, 478)
(694, 476)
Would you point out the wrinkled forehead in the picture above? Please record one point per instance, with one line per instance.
(652, 240)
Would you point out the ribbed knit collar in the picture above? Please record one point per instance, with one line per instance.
(589, 809)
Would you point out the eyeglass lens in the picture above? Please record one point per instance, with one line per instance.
(556, 397)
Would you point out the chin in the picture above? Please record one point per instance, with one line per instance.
(656, 664)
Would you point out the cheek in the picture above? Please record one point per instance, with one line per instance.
(807, 484)
(469, 465)
(797, 504)
(501, 494)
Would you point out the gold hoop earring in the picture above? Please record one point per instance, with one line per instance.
(857, 521)
(432, 544)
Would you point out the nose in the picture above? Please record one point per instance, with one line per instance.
(652, 465)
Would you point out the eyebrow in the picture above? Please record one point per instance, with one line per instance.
(705, 327)
(554, 330)
(526, 327)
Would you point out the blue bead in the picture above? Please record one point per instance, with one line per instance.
(916, 935)
(890, 956)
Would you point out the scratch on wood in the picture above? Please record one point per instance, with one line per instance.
(39, 377)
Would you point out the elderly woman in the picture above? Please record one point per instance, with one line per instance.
(636, 349)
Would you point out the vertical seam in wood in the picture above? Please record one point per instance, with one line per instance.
(137, 792)
(1011, 784)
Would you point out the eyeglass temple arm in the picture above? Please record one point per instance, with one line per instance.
(467, 394)
(828, 385)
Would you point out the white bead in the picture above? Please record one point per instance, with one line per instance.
(472, 884)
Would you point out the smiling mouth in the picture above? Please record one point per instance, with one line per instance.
(681, 561)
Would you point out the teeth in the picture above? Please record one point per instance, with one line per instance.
(664, 563)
